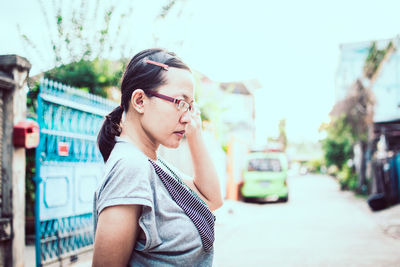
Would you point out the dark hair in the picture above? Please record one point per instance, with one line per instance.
(138, 74)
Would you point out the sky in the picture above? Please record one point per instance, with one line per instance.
(291, 47)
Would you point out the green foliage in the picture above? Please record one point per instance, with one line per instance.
(315, 165)
(166, 8)
(338, 144)
(347, 178)
(225, 148)
(29, 183)
(374, 58)
(336, 151)
(355, 112)
(92, 76)
(31, 98)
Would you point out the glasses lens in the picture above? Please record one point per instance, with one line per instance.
(183, 106)
(195, 108)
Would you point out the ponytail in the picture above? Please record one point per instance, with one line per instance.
(110, 128)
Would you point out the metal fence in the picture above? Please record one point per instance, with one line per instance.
(68, 169)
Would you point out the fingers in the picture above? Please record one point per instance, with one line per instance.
(197, 109)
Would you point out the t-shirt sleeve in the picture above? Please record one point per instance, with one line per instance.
(126, 183)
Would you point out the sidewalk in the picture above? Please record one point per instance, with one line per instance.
(83, 260)
(389, 220)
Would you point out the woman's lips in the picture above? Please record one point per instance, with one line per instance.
(180, 133)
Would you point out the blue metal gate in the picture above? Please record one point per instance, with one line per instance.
(68, 169)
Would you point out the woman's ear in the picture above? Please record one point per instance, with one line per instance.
(138, 99)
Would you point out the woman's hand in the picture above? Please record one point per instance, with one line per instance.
(193, 128)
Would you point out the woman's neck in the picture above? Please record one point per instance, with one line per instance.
(139, 138)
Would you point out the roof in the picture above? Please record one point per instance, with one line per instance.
(243, 87)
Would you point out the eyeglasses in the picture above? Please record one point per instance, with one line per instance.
(181, 105)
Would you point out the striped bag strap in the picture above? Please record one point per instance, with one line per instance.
(180, 180)
(198, 212)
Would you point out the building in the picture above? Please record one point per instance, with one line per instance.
(383, 152)
(386, 87)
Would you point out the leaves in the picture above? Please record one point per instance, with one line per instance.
(374, 59)
(338, 143)
(94, 75)
(29, 183)
(166, 9)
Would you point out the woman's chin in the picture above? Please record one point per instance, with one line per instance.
(172, 144)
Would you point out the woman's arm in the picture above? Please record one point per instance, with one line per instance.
(205, 175)
(116, 233)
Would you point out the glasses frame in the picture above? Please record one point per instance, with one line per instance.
(191, 108)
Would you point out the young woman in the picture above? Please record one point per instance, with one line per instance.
(146, 212)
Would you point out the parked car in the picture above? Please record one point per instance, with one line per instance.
(265, 177)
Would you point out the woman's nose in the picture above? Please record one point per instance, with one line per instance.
(186, 116)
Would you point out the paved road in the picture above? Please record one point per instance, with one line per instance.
(319, 226)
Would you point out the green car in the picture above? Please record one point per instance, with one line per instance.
(264, 178)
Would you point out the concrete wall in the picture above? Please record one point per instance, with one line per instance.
(13, 75)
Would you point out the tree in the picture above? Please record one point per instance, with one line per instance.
(83, 37)
(92, 76)
(79, 49)
(78, 31)
(338, 143)
(86, 30)
(352, 117)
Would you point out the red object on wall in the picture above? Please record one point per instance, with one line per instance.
(26, 134)
(63, 149)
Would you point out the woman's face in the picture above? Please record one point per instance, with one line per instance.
(162, 121)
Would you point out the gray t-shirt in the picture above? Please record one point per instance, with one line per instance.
(168, 237)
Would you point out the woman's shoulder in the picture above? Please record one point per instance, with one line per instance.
(127, 171)
(125, 151)
(127, 160)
